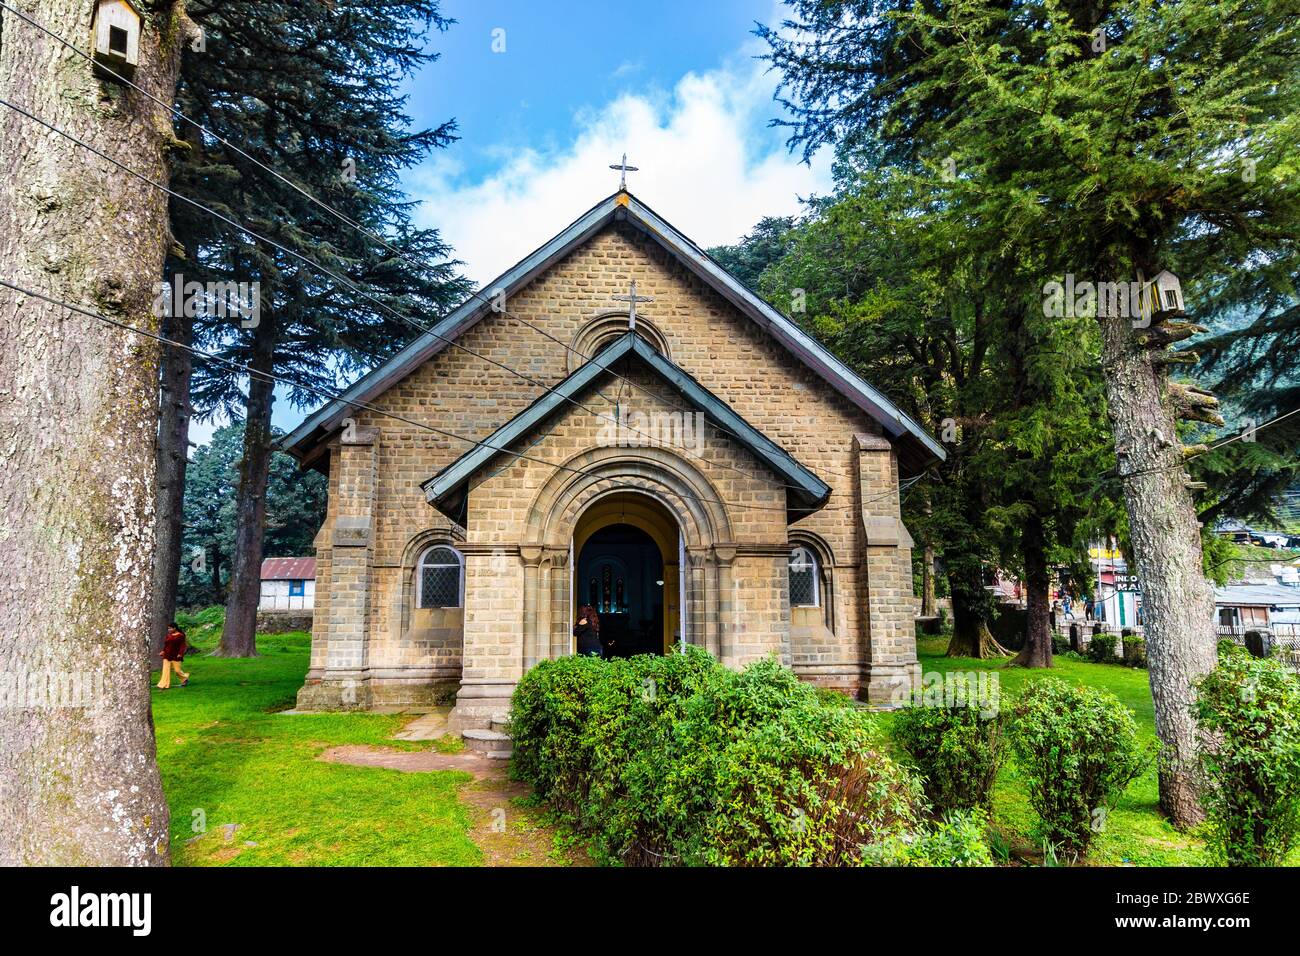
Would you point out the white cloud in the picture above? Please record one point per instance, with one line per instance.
(707, 164)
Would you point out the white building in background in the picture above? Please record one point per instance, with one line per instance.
(288, 584)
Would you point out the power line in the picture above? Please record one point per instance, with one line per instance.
(331, 396)
(549, 389)
(347, 220)
(1219, 444)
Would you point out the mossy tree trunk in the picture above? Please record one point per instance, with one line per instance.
(79, 783)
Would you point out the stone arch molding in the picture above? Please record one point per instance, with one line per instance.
(605, 326)
(654, 472)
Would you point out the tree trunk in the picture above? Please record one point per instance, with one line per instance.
(79, 781)
(1177, 599)
(172, 457)
(929, 603)
(1037, 651)
(239, 635)
(971, 636)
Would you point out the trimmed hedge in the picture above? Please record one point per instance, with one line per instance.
(678, 761)
(1248, 712)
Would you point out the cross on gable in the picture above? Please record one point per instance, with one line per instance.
(632, 299)
(624, 169)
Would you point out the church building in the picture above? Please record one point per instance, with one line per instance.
(615, 422)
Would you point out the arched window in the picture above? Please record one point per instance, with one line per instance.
(439, 577)
(803, 577)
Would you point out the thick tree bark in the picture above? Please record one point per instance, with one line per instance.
(238, 636)
(1177, 599)
(171, 459)
(1037, 651)
(79, 782)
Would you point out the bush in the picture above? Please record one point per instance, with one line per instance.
(1060, 643)
(678, 761)
(1101, 649)
(958, 839)
(1078, 748)
(1135, 651)
(956, 750)
(1248, 711)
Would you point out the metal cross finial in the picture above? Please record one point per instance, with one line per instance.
(632, 299)
(624, 169)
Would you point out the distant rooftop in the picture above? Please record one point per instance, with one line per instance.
(289, 569)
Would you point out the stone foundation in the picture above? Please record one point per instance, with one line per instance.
(283, 622)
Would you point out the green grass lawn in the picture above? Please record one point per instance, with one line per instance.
(229, 757)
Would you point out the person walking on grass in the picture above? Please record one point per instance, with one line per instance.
(587, 631)
(173, 652)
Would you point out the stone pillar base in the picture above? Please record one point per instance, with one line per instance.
(478, 703)
(890, 685)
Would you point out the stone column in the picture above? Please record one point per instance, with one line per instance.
(561, 636)
(697, 631)
(342, 684)
(888, 616)
(534, 598)
(726, 603)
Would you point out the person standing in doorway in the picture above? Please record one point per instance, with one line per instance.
(173, 653)
(587, 631)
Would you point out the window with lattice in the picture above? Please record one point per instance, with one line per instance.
(803, 578)
(439, 578)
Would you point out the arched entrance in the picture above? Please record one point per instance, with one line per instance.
(626, 549)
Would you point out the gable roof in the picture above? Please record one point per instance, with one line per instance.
(916, 447)
(446, 490)
(289, 569)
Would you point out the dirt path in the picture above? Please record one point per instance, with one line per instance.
(508, 832)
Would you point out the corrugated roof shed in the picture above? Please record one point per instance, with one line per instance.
(289, 569)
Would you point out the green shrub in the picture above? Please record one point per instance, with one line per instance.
(1248, 711)
(1078, 748)
(1135, 651)
(957, 839)
(678, 761)
(1060, 643)
(1101, 649)
(956, 750)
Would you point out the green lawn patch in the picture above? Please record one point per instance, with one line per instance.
(229, 756)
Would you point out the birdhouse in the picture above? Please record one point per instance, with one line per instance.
(1167, 293)
(116, 27)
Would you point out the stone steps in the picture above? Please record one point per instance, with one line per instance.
(489, 743)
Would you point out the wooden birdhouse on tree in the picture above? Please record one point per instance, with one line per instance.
(1167, 293)
(116, 27)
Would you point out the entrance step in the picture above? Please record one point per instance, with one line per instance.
(490, 743)
(500, 723)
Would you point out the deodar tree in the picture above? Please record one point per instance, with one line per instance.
(79, 784)
(1107, 141)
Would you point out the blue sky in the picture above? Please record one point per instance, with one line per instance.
(674, 83)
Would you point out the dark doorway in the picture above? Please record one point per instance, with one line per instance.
(621, 574)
